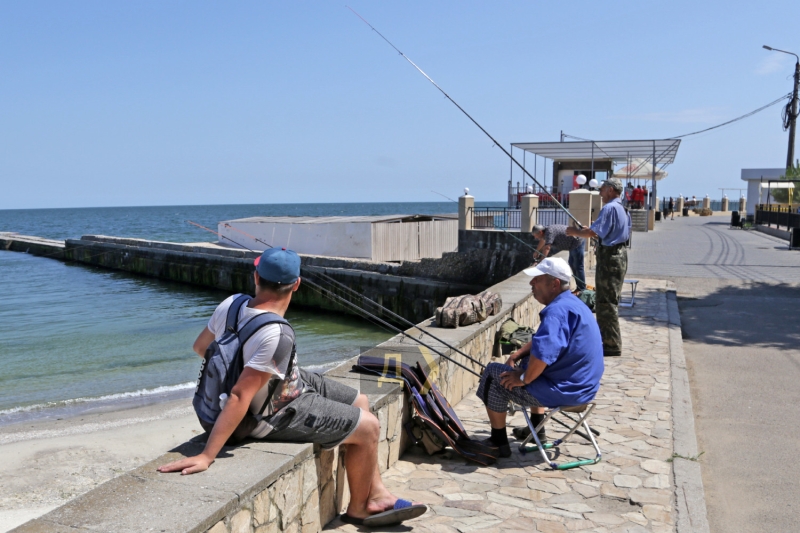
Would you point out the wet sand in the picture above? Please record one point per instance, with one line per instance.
(46, 463)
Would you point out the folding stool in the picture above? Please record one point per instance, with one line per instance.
(584, 411)
(630, 303)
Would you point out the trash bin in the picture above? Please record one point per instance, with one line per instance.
(794, 238)
(658, 215)
(686, 211)
(736, 220)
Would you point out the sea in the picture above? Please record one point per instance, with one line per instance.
(77, 339)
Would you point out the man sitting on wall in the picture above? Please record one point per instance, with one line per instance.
(560, 366)
(301, 406)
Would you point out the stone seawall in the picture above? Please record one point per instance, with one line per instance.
(209, 265)
(269, 487)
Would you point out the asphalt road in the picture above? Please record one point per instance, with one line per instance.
(739, 298)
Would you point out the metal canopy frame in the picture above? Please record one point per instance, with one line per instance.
(665, 150)
(655, 151)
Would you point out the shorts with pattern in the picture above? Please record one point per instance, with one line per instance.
(496, 397)
(324, 414)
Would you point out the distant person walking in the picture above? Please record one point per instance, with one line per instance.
(671, 208)
(553, 239)
(613, 228)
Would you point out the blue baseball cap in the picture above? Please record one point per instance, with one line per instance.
(278, 265)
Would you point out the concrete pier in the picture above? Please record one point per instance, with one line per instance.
(15, 242)
(411, 289)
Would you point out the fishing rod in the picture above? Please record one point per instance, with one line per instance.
(353, 292)
(344, 301)
(524, 170)
(401, 318)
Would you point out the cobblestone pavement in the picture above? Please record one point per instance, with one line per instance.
(630, 490)
(706, 247)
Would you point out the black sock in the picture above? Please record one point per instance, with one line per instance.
(536, 419)
(499, 437)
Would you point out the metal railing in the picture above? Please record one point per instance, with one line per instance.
(496, 217)
(548, 217)
(779, 215)
(505, 218)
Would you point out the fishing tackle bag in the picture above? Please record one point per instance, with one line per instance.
(434, 423)
(514, 334)
(468, 309)
(222, 365)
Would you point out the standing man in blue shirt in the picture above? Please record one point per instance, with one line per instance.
(560, 366)
(613, 229)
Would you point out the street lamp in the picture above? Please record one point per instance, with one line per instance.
(791, 108)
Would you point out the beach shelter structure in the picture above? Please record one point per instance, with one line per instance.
(568, 156)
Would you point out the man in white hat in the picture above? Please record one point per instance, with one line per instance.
(560, 366)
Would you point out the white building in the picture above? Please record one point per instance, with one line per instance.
(374, 238)
(756, 194)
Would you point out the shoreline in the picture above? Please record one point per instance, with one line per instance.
(47, 462)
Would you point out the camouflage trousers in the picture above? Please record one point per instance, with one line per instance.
(612, 265)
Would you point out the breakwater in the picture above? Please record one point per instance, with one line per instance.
(412, 289)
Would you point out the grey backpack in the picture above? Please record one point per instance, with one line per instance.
(223, 364)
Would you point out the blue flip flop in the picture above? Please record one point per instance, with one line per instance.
(403, 510)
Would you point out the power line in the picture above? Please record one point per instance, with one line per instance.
(751, 113)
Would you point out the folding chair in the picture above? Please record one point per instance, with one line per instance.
(584, 411)
(630, 303)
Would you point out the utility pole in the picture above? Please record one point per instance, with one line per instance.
(791, 107)
(793, 116)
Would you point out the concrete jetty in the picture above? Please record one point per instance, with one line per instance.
(15, 242)
(412, 289)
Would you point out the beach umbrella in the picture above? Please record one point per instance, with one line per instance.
(639, 169)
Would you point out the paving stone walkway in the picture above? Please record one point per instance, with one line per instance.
(630, 490)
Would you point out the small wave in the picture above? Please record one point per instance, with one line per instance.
(322, 367)
(110, 397)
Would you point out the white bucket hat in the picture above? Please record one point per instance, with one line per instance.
(554, 266)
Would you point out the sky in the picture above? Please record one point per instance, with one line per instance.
(193, 102)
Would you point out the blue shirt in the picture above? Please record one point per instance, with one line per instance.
(568, 342)
(613, 225)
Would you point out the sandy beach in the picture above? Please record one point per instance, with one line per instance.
(47, 463)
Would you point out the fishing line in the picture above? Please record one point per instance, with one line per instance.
(355, 307)
(522, 167)
(331, 280)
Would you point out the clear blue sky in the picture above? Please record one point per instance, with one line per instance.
(154, 103)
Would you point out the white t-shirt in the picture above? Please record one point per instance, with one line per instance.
(259, 354)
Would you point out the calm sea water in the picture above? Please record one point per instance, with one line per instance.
(74, 337)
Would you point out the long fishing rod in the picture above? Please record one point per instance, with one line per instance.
(353, 306)
(353, 292)
(522, 167)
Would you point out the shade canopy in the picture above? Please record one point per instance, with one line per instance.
(779, 185)
(617, 151)
(639, 169)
